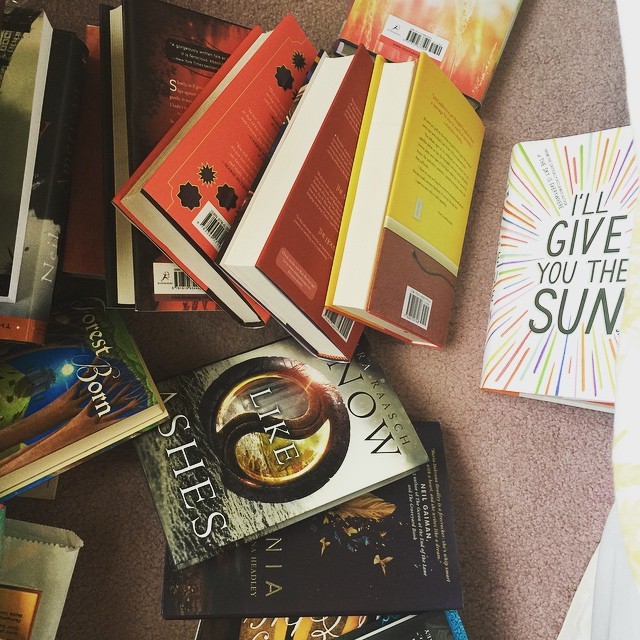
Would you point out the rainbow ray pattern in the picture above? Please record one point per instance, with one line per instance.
(561, 266)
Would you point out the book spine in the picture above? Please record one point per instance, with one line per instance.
(52, 174)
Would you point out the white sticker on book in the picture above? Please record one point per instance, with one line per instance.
(169, 279)
(341, 325)
(416, 308)
(211, 223)
(413, 37)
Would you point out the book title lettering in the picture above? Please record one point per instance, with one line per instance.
(570, 243)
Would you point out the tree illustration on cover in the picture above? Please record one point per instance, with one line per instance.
(561, 267)
(55, 395)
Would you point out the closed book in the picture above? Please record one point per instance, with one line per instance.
(186, 200)
(171, 53)
(85, 390)
(397, 542)
(402, 232)
(282, 249)
(267, 438)
(465, 41)
(83, 250)
(25, 320)
(561, 269)
(25, 44)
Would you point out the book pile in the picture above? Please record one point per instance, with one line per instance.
(245, 171)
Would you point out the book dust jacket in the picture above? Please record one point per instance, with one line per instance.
(397, 543)
(267, 438)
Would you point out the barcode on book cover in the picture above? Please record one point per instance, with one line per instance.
(341, 325)
(412, 36)
(416, 308)
(168, 278)
(211, 223)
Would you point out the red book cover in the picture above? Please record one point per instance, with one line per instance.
(171, 54)
(84, 236)
(299, 253)
(208, 174)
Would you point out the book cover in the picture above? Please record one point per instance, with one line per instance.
(465, 39)
(397, 542)
(85, 390)
(289, 628)
(25, 44)
(83, 250)
(402, 240)
(35, 574)
(171, 53)
(561, 268)
(268, 437)
(282, 250)
(25, 320)
(187, 199)
(431, 625)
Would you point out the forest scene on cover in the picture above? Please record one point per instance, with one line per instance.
(86, 378)
(561, 267)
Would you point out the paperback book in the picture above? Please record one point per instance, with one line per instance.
(431, 625)
(397, 543)
(85, 390)
(269, 437)
(561, 269)
(465, 39)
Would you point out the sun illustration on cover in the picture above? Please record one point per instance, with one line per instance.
(561, 267)
(207, 174)
(298, 60)
(284, 77)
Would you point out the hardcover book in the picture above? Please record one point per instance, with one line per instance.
(561, 269)
(267, 438)
(25, 44)
(397, 543)
(282, 249)
(465, 40)
(431, 625)
(25, 320)
(35, 573)
(171, 53)
(402, 232)
(278, 628)
(83, 251)
(82, 392)
(186, 198)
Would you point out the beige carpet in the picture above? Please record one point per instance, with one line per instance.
(532, 481)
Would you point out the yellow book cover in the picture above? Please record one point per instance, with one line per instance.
(436, 168)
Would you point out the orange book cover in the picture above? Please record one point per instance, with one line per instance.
(299, 252)
(207, 176)
(83, 253)
(466, 39)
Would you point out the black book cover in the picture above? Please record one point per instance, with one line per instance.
(397, 543)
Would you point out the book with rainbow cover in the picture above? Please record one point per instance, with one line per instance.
(561, 269)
